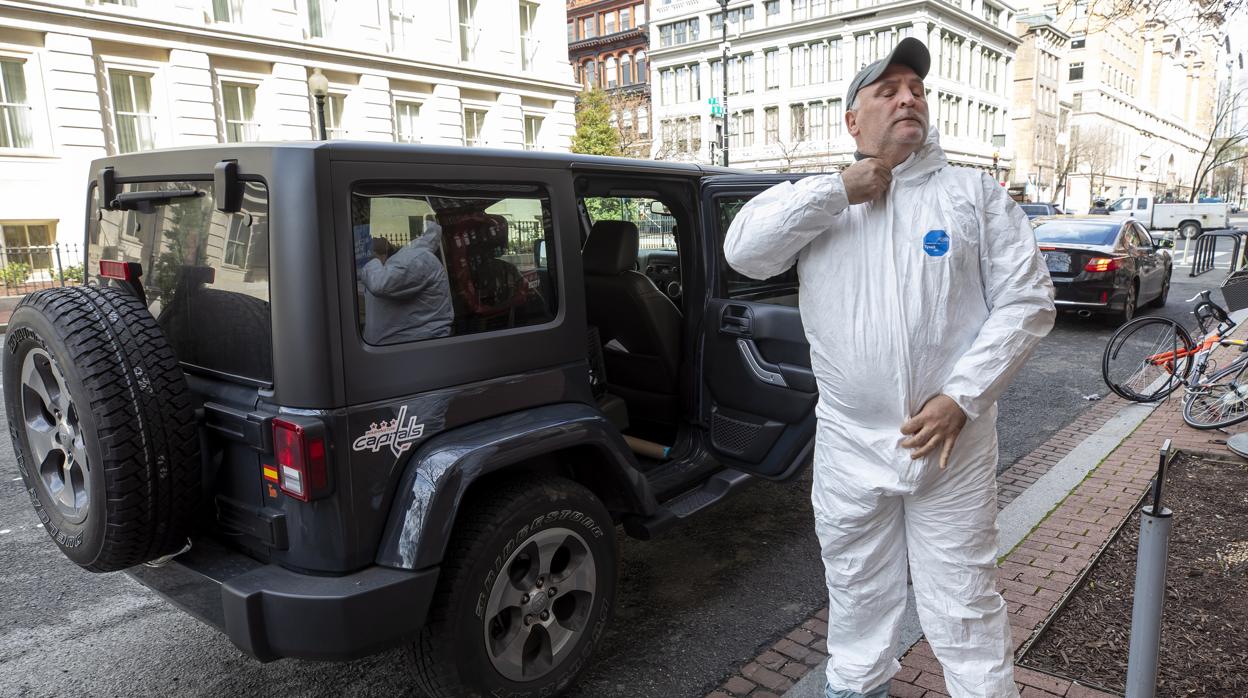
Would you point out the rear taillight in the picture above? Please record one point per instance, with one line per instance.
(300, 453)
(1102, 264)
(122, 271)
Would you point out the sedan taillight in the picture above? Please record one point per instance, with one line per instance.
(1097, 264)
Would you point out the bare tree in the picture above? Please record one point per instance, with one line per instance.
(627, 108)
(1227, 140)
(1088, 151)
(1091, 15)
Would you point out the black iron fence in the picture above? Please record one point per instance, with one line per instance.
(1207, 248)
(26, 269)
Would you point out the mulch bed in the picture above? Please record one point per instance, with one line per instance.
(1204, 640)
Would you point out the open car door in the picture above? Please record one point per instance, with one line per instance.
(758, 391)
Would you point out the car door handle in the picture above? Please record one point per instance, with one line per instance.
(765, 372)
(736, 319)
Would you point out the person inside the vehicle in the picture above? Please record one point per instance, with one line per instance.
(407, 296)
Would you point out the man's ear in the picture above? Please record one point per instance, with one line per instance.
(851, 123)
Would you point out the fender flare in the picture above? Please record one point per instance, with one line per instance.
(438, 474)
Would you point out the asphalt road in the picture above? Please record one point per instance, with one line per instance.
(692, 605)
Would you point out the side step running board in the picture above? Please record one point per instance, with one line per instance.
(716, 488)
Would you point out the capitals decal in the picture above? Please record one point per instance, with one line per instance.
(398, 433)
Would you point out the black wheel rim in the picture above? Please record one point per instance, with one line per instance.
(1129, 366)
(53, 432)
(540, 603)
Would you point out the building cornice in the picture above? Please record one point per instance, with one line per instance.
(623, 38)
(110, 26)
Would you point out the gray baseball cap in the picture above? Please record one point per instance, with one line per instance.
(909, 52)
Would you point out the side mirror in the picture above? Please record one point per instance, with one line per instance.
(659, 208)
(539, 254)
(1165, 244)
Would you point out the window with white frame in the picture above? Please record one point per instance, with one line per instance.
(864, 49)
(612, 69)
(818, 114)
(406, 121)
(474, 127)
(133, 120)
(838, 59)
(797, 123)
(333, 116)
(626, 69)
(643, 121)
(532, 131)
(798, 55)
(682, 84)
(625, 21)
(771, 125)
(239, 102)
(16, 113)
(799, 10)
(403, 34)
(836, 118)
(528, 38)
(316, 18)
(237, 241)
(228, 11)
(467, 30)
(771, 60)
(747, 73)
(28, 243)
(818, 63)
(667, 86)
(640, 63)
(1076, 71)
(695, 134)
(747, 128)
(734, 75)
(771, 12)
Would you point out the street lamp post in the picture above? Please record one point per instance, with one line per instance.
(723, 132)
(318, 85)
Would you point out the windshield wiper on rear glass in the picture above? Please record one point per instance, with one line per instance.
(147, 201)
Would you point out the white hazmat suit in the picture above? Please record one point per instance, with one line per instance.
(937, 287)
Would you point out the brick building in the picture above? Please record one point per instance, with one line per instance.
(607, 44)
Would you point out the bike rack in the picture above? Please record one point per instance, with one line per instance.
(1207, 247)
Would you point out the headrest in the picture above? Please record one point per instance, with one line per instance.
(610, 249)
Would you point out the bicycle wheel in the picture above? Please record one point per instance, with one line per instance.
(1221, 400)
(1147, 359)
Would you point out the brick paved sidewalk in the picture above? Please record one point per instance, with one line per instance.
(1036, 576)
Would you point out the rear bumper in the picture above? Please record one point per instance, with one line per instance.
(1092, 296)
(270, 612)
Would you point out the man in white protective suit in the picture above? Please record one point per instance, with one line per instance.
(922, 294)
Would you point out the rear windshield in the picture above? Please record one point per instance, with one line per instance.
(1035, 210)
(1077, 232)
(205, 273)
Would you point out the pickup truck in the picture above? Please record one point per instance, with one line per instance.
(1189, 220)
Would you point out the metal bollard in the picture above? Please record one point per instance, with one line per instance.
(1150, 590)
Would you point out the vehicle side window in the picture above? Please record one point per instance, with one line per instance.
(436, 261)
(1141, 204)
(1146, 240)
(780, 289)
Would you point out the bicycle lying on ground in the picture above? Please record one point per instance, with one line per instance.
(1149, 358)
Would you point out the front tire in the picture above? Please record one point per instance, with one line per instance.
(526, 590)
(1147, 359)
(1189, 230)
(1222, 400)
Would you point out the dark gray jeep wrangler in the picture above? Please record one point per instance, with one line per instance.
(332, 397)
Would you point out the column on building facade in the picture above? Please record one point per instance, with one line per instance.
(370, 110)
(560, 126)
(73, 95)
(192, 97)
(448, 115)
(509, 122)
(290, 106)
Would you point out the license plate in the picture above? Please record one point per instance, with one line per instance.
(1059, 262)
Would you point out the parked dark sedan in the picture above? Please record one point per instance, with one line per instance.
(1106, 267)
(1041, 209)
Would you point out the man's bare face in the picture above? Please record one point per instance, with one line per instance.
(892, 113)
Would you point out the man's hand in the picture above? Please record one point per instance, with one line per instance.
(938, 423)
(866, 180)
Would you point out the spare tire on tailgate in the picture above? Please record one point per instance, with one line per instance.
(103, 426)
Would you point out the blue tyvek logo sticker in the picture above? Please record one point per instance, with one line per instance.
(936, 243)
